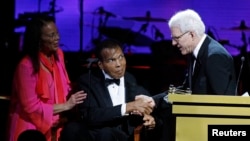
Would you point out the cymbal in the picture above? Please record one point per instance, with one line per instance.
(24, 18)
(104, 14)
(145, 19)
(94, 13)
(101, 11)
(126, 35)
(242, 27)
(27, 15)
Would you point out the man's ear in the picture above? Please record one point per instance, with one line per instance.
(99, 63)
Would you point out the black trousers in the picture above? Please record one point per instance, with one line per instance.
(110, 134)
(75, 131)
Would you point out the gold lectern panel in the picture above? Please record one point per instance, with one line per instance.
(193, 114)
(196, 128)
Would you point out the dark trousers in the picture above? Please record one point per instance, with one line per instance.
(167, 131)
(75, 131)
(110, 134)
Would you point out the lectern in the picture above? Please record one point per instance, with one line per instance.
(193, 114)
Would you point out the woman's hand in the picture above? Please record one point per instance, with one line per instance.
(73, 100)
(76, 98)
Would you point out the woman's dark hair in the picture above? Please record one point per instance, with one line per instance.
(31, 135)
(32, 38)
(106, 43)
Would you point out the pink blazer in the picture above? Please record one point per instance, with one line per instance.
(27, 109)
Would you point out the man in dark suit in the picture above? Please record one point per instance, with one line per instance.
(212, 71)
(112, 109)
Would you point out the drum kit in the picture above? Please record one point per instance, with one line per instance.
(138, 38)
(23, 18)
(126, 36)
(242, 28)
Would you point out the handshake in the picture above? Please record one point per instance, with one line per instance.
(143, 105)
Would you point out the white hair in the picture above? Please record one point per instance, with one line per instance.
(188, 20)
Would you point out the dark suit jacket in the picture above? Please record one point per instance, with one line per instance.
(98, 111)
(214, 71)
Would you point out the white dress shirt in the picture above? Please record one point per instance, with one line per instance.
(117, 93)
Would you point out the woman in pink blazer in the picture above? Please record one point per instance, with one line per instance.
(41, 83)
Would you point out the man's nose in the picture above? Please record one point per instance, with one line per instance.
(118, 62)
(174, 43)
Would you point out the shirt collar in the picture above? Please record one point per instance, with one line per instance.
(109, 77)
(197, 48)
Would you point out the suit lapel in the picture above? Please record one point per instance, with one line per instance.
(102, 91)
(202, 54)
(190, 70)
(196, 70)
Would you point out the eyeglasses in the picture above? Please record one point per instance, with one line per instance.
(176, 38)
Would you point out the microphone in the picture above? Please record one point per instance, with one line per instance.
(238, 80)
(90, 61)
(108, 14)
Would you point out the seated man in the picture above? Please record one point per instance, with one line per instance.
(112, 110)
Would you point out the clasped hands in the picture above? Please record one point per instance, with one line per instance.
(143, 105)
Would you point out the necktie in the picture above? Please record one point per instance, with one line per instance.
(190, 70)
(111, 81)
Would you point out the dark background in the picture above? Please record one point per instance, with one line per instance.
(152, 59)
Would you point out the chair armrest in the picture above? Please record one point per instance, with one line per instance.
(137, 132)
